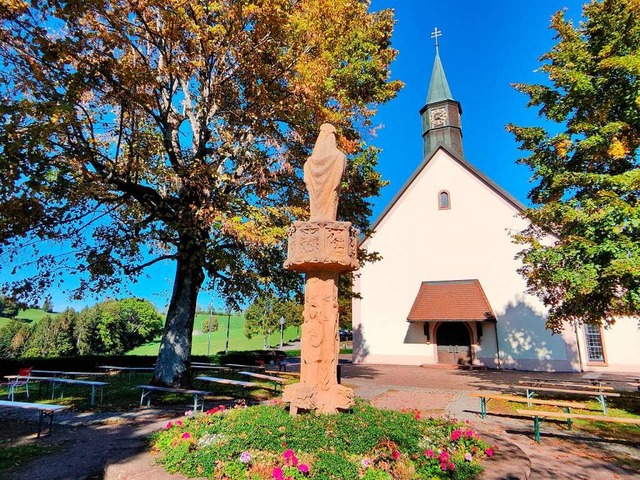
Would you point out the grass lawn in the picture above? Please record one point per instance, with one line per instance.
(29, 315)
(237, 340)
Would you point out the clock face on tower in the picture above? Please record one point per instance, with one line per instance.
(438, 117)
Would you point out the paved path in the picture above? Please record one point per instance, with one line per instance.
(117, 441)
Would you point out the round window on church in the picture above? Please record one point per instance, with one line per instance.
(444, 202)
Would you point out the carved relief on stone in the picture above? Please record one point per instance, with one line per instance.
(329, 246)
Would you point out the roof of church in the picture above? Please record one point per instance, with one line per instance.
(451, 301)
(438, 86)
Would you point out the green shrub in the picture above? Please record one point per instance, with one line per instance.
(369, 443)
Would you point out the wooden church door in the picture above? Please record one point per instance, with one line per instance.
(454, 343)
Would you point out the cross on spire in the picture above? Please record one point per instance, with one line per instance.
(435, 34)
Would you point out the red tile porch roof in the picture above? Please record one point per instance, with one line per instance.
(451, 301)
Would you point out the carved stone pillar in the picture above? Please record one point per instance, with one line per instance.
(322, 250)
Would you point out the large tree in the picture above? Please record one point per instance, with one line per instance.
(582, 255)
(139, 131)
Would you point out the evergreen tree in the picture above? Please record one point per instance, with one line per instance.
(582, 255)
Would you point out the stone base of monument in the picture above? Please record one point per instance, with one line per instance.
(322, 250)
(305, 397)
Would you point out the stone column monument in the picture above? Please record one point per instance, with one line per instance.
(322, 248)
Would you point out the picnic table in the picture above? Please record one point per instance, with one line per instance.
(228, 381)
(58, 383)
(45, 409)
(277, 381)
(197, 394)
(129, 370)
(238, 366)
(64, 373)
(486, 396)
(219, 368)
(600, 395)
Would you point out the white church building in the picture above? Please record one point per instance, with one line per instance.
(447, 290)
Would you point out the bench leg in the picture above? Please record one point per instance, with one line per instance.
(93, 395)
(530, 394)
(536, 428)
(483, 407)
(603, 402)
(143, 395)
(40, 421)
(569, 422)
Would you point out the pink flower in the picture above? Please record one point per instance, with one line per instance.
(395, 454)
(468, 456)
(188, 413)
(366, 462)
(455, 435)
(430, 453)
(417, 415)
(303, 468)
(169, 425)
(290, 457)
(451, 466)
(489, 452)
(179, 423)
(469, 433)
(443, 466)
(278, 474)
(444, 456)
(186, 435)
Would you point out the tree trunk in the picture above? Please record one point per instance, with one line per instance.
(173, 363)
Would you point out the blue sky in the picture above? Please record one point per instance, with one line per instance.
(484, 48)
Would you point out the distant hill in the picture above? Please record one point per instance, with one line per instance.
(30, 315)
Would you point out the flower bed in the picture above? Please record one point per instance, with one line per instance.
(265, 442)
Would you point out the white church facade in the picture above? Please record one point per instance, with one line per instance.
(447, 289)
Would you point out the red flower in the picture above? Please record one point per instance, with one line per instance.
(469, 433)
(489, 452)
(455, 435)
(395, 454)
(169, 425)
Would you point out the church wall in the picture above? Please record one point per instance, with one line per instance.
(419, 242)
(621, 343)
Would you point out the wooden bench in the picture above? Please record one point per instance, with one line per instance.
(600, 396)
(485, 397)
(58, 382)
(45, 409)
(277, 381)
(147, 389)
(228, 381)
(238, 366)
(539, 415)
(544, 383)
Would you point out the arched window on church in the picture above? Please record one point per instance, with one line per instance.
(444, 202)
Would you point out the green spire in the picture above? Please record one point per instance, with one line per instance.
(438, 87)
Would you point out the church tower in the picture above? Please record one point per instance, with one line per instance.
(441, 114)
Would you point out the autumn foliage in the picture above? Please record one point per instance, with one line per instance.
(143, 131)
